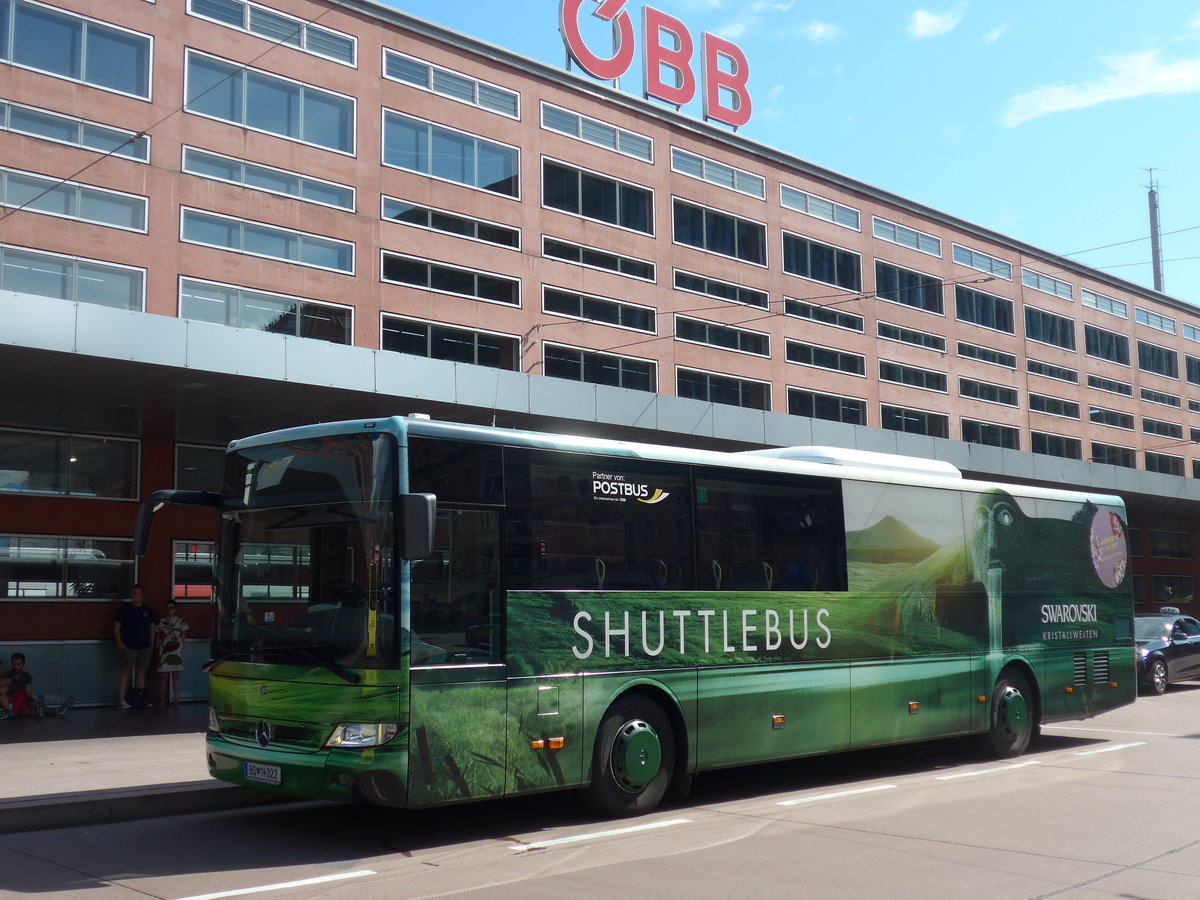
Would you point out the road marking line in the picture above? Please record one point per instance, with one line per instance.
(241, 892)
(974, 772)
(1114, 731)
(576, 838)
(868, 790)
(1110, 749)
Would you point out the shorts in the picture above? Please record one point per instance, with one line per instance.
(135, 659)
(18, 701)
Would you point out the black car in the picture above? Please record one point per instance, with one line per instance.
(1168, 649)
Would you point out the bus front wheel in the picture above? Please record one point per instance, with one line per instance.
(633, 760)
(1012, 716)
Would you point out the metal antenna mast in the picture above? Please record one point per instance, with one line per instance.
(1155, 245)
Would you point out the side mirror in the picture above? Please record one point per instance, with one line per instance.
(418, 513)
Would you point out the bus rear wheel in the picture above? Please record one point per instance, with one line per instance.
(1012, 716)
(633, 760)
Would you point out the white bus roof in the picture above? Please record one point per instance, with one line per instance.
(866, 459)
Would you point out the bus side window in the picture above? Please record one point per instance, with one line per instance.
(776, 534)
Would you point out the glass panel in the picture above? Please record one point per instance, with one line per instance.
(208, 303)
(406, 271)
(402, 336)
(457, 605)
(636, 145)
(47, 40)
(498, 99)
(227, 11)
(502, 290)
(263, 240)
(42, 124)
(215, 230)
(406, 212)
(325, 323)
(497, 169)
(40, 194)
(113, 286)
(36, 273)
(599, 198)
(199, 163)
(214, 88)
(598, 133)
(318, 40)
(453, 156)
(452, 85)
(192, 562)
(264, 312)
(453, 281)
(406, 144)
(275, 27)
(118, 60)
(329, 194)
(272, 105)
(497, 352)
(452, 344)
(328, 120)
(635, 209)
(31, 567)
(112, 209)
(33, 463)
(452, 224)
(496, 234)
(99, 467)
(117, 142)
(271, 180)
(560, 187)
(406, 69)
(560, 120)
(327, 254)
(563, 534)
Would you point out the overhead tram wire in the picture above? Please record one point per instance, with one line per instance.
(146, 132)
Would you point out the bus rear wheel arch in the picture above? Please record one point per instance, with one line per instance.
(1013, 715)
(634, 758)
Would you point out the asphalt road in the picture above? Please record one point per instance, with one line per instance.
(1108, 808)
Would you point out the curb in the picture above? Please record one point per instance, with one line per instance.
(123, 805)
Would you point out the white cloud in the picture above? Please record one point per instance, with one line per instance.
(818, 32)
(926, 24)
(751, 17)
(1137, 74)
(996, 33)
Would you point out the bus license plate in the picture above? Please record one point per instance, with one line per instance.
(265, 774)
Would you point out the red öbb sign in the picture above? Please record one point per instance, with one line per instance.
(674, 56)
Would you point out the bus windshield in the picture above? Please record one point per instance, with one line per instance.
(307, 561)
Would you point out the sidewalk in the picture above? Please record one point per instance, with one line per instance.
(105, 765)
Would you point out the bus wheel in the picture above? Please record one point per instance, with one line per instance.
(1013, 715)
(633, 760)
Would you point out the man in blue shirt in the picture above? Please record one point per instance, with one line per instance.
(133, 631)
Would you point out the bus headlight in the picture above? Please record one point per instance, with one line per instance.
(358, 734)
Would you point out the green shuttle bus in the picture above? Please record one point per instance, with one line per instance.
(414, 613)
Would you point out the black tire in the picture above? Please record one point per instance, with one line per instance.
(626, 778)
(1012, 716)
(1159, 678)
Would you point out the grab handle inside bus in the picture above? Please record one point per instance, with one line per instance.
(418, 512)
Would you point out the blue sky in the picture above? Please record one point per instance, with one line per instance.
(1034, 118)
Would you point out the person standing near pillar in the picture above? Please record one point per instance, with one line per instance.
(133, 633)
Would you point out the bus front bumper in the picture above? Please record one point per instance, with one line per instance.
(339, 775)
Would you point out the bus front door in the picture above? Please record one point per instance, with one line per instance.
(458, 706)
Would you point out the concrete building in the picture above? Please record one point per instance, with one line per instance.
(222, 217)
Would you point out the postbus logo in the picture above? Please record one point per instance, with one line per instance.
(606, 486)
(667, 50)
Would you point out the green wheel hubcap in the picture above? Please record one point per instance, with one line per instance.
(637, 755)
(1014, 711)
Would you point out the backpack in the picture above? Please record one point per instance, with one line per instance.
(137, 698)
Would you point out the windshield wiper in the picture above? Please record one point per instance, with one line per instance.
(336, 668)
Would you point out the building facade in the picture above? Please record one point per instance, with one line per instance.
(223, 216)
